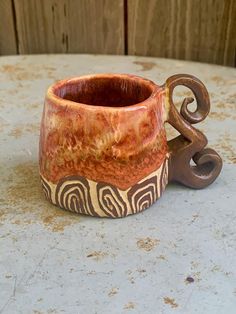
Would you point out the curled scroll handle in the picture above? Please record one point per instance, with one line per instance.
(191, 143)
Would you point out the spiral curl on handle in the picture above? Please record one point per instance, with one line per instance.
(191, 143)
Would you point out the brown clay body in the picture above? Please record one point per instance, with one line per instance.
(103, 146)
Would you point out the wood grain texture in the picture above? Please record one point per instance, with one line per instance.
(199, 30)
(85, 26)
(8, 45)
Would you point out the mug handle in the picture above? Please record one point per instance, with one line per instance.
(190, 144)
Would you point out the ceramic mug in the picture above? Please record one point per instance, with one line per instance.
(103, 145)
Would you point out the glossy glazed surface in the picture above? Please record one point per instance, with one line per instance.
(117, 145)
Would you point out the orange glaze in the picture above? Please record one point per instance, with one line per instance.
(119, 146)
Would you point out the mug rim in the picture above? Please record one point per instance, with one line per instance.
(54, 98)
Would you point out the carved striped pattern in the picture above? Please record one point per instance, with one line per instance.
(110, 201)
(46, 189)
(143, 195)
(164, 176)
(80, 195)
(73, 193)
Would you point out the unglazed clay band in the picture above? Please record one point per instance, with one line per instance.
(80, 195)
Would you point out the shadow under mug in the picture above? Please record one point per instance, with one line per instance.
(103, 146)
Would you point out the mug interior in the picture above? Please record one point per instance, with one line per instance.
(105, 90)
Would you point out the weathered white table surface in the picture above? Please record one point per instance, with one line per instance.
(52, 261)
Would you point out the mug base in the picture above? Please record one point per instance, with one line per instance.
(83, 196)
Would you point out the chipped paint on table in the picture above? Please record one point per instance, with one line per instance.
(178, 256)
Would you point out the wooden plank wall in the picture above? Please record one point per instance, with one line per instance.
(200, 30)
(60, 26)
(86, 26)
(8, 42)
